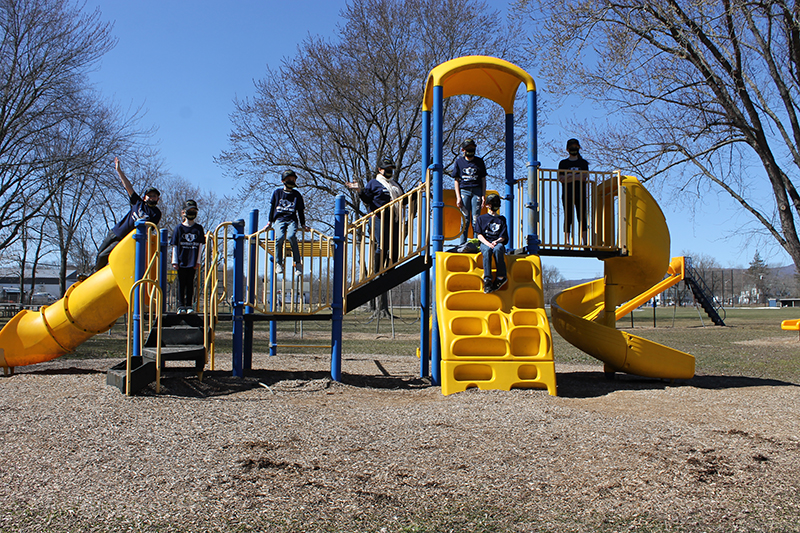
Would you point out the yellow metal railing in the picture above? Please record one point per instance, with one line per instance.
(305, 291)
(387, 237)
(581, 210)
(150, 297)
(216, 288)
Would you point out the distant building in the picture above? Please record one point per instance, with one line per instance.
(45, 291)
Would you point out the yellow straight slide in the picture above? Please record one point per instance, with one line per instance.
(88, 308)
(586, 315)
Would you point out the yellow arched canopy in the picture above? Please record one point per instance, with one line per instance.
(489, 77)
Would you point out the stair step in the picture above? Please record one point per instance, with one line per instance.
(186, 352)
(142, 374)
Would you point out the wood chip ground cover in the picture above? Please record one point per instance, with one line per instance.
(286, 449)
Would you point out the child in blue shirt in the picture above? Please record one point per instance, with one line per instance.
(187, 240)
(469, 174)
(492, 232)
(142, 208)
(287, 211)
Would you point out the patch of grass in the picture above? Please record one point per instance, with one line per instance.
(751, 344)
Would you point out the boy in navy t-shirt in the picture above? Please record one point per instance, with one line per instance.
(286, 211)
(141, 209)
(492, 232)
(187, 240)
(469, 174)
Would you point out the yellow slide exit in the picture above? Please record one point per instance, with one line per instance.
(88, 308)
(586, 315)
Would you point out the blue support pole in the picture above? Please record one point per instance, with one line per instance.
(163, 262)
(437, 229)
(532, 205)
(238, 293)
(140, 263)
(509, 197)
(252, 278)
(273, 326)
(337, 306)
(425, 279)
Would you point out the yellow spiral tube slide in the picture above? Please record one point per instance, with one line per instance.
(586, 316)
(89, 307)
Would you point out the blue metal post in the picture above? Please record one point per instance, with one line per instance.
(140, 263)
(437, 229)
(273, 325)
(509, 197)
(164, 261)
(425, 279)
(337, 306)
(252, 279)
(532, 205)
(238, 293)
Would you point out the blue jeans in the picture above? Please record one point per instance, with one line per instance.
(499, 254)
(286, 229)
(470, 205)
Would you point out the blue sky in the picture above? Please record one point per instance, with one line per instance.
(185, 62)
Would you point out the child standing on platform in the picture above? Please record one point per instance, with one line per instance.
(286, 211)
(492, 231)
(187, 240)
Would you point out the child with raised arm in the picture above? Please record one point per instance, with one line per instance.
(492, 231)
(141, 209)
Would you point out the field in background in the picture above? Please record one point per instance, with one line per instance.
(752, 343)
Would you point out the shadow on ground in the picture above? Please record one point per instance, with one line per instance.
(595, 384)
(222, 383)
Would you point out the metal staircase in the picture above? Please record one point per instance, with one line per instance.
(703, 294)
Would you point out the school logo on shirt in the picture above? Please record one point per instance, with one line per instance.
(285, 206)
(494, 227)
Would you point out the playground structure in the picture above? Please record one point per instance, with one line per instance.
(468, 339)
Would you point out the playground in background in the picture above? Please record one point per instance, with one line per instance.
(500, 340)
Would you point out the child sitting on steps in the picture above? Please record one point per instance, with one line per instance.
(492, 232)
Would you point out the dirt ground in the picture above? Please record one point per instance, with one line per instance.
(287, 449)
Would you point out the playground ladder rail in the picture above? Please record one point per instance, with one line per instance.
(408, 220)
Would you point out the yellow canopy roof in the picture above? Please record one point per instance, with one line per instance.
(489, 77)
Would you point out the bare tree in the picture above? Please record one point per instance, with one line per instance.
(704, 95)
(46, 48)
(212, 209)
(553, 282)
(336, 107)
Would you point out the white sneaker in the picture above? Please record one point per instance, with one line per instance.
(279, 268)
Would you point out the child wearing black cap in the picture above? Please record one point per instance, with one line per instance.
(286, 211)
(187, 241)
(141, 209)
(492, 232)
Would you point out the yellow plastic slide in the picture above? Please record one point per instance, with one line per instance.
(88, 308)
(586, 315)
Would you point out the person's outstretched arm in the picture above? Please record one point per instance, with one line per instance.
(123, 177)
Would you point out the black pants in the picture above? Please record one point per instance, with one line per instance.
(109, 243)
(186, 278)
(575, 198)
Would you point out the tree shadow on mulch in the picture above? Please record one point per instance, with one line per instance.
(595, 384)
